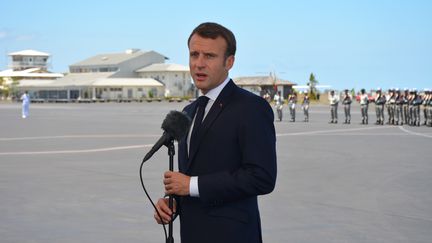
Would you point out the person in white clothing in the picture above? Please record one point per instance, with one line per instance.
(278, 104)
(364, 105)
(25, 104)
(334, 102)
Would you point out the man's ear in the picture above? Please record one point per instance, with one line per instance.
(229, 62)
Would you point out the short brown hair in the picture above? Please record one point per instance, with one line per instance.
(213, 31)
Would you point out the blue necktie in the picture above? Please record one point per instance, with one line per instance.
(200, 110)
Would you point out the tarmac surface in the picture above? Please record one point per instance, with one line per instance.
(70, 173)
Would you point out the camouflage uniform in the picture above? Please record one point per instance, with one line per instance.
(417, 101)
(380, 101)
(399, 103)
(305, 107)
(347, 107)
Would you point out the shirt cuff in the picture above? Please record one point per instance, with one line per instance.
(193, 186)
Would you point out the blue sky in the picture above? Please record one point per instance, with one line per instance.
(346, 44)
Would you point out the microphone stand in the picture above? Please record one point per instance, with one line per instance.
(171, 152)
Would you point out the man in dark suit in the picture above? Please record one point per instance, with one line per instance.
(226, 160)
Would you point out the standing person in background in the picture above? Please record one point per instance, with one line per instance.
(364, 105)
(229, 156)
(429, 108)
(25, 104)
(278, 100)
(417, 101)
(292, 101)
(399, 102)
(380, 100)
(390, 103)
(425, 106)
(266, 96)
(405, 106)
(429, 104)
(305, 107)
(334, 102)
(411, 107)
(347, 100)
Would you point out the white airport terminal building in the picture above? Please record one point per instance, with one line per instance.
(130, 75)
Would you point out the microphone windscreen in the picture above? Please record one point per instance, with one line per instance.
(176, 124)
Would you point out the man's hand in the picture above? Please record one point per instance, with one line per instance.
(164, 211)
(176, 183)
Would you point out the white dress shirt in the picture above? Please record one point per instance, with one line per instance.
(212, 95)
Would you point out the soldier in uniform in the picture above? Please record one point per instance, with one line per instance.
(305, 107)
(411, 107)
(292, 101)
(405, 106)
(390, 102)
(429, 104)
(425, 108)
(380, 100)
(364, 105)
(334, 102)
(417, 101)
(347, 100)
(399, 103)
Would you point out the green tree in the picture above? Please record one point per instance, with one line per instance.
(312, 87)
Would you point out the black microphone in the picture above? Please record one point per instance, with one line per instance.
(175, 125)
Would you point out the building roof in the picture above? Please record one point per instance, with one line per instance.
(163, 67)
(29, 53)
(32, 83)
(80, 79)
(90, 80)
(30, 73)
(127, 82)
(260, 80)
(111, 58)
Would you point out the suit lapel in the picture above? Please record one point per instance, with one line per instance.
(220, 103)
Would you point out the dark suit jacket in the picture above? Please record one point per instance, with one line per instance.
(235, 162)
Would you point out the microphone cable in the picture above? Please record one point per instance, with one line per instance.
(151, 201)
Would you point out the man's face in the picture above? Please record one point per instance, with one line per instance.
(207, 62)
